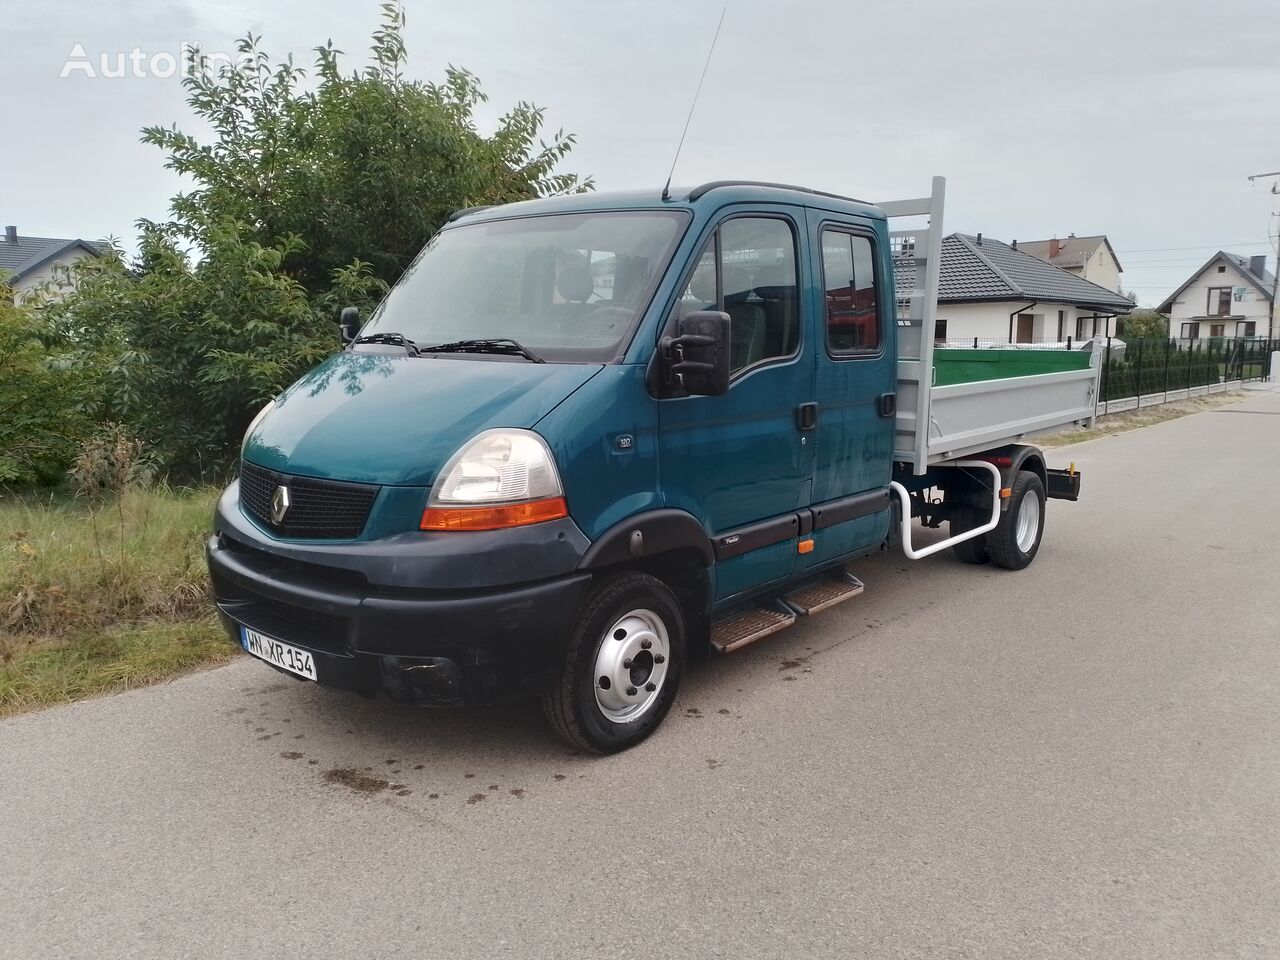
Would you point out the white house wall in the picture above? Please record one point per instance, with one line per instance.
(1102, 269)
(33, 280)
(990, 321)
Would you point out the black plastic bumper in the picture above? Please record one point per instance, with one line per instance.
(420, 645)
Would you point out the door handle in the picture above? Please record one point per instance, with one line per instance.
(807, 416)
(887, 404)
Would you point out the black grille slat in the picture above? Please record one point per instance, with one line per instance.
(320, 509)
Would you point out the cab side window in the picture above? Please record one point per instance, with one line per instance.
(748, 270)
(853, 310)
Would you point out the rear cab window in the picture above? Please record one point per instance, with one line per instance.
(851, 300)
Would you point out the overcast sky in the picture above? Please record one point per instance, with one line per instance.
(1137, 119)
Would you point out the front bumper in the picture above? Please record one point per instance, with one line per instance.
(419, 643)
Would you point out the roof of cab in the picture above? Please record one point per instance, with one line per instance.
(715, 194)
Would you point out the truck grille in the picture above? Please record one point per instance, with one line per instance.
(318, 509)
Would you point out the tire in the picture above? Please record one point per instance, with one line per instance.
(966, 518)
(1014, 543)
(629, 634)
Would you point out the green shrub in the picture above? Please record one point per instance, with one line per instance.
(45, 407)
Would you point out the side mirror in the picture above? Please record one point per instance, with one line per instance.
(349, 323)
(698, 358)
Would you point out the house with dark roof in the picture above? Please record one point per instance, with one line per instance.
(1090, 258)
(1230, 296)
(27, 262)
(993, 292)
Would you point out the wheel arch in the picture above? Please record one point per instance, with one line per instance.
(671, 545)
(1014, 457)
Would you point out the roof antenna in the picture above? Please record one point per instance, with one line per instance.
(666, 190)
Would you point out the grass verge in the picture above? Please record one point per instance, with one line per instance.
(1115, 423)
(96, 598)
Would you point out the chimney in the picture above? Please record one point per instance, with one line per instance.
(1055, 247)
(10, 234)
(979, 238)
(1258, 265)
(1014, 244)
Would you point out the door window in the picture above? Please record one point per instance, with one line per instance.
(748, 270)
(849, 279)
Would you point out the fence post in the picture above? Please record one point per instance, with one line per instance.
(1106, 373)
(1138, 384)
(1166, 371)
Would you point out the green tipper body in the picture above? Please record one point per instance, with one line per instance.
(951, 366)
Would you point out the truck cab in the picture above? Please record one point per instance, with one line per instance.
(584, 439)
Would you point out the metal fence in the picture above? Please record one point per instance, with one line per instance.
(1142, 372)
(1137, 373)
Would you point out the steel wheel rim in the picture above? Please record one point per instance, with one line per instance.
(1028, 522)
(631, 664)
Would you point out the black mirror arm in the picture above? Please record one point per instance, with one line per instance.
(673, 348)
(349, 323)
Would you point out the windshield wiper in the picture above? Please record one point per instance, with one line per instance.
(503, 345)
(392, 339)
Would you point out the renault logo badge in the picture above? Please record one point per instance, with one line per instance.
(279, 504)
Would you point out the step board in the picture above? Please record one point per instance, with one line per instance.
(821, 594)
(748, 627)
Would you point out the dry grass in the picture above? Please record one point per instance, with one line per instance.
(96, 598)
(1115, 423)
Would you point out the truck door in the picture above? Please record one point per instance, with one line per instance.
(740, 462)
(853, 310)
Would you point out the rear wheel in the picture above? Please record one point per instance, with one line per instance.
(965, 518)
(623, 666)
(1014, 543)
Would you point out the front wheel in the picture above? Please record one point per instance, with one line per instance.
(1014, 542)
(623, 667)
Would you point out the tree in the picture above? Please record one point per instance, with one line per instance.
(1143, 324)
(364, 166)
(304, 200)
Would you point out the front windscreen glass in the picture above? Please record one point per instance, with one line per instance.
(569, 287)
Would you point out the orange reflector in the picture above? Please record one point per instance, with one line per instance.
(1006, 492)
(494, 518)
(805, 546)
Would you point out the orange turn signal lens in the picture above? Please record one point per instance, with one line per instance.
(805, 546)
(494, 518)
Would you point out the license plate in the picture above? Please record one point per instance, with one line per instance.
(280, 654)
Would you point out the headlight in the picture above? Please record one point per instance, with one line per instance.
(253, 425)
(501, 478)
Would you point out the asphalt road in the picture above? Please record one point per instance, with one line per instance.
(1079, 760)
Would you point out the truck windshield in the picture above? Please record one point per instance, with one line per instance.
(568, 287)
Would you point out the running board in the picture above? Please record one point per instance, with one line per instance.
(752, 624)
(821, 594)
